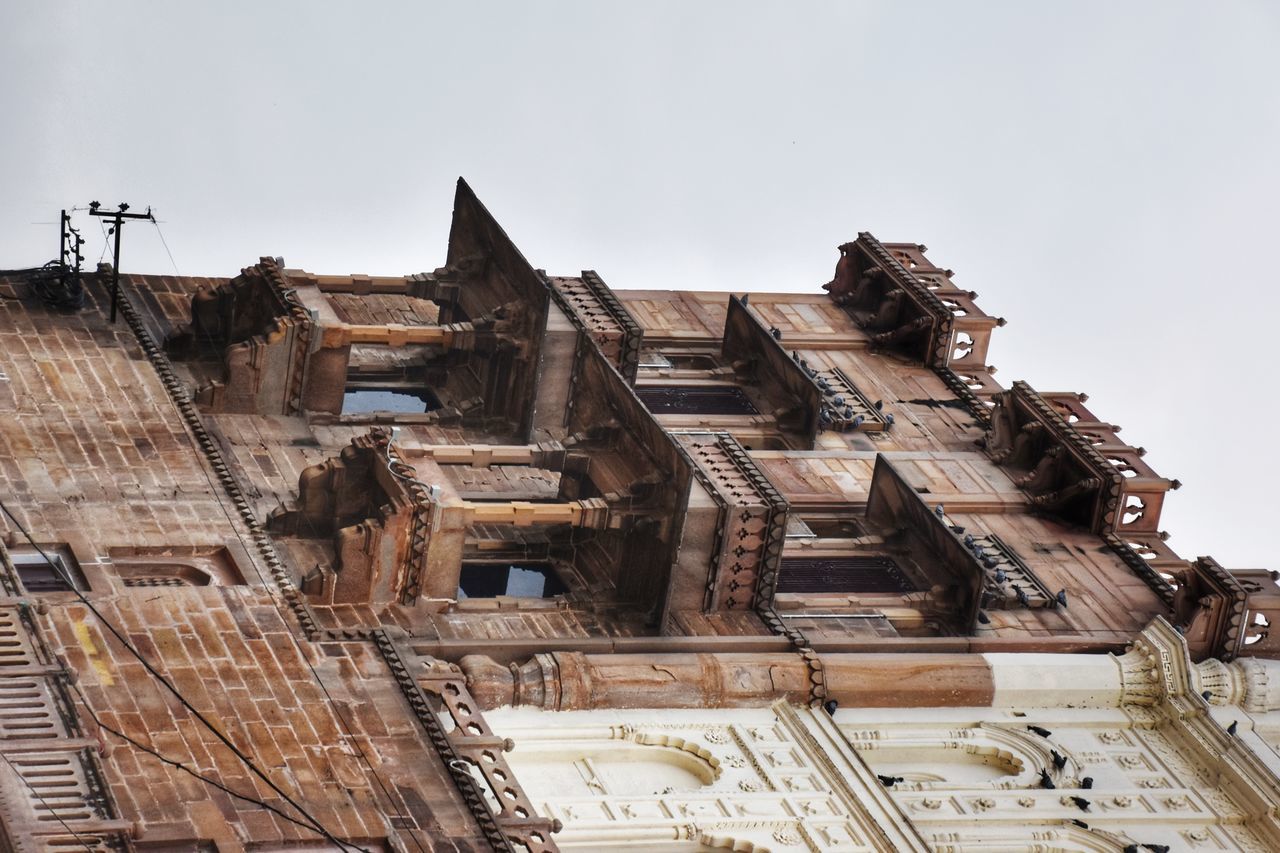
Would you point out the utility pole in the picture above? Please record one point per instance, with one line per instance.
(119, 216)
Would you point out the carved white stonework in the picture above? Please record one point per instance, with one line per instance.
(1140, 675)
(1261, 682)
(1154, 766)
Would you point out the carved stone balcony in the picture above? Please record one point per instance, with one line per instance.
(761, 360)
(262, 334)
(1072, 465)
(958, 576)
(907, 305)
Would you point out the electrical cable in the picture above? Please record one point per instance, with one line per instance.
(106, 240)
(165, 243)
(226, 741)
(45, 803)
(275, 602)
(269, 587)
(179, 765)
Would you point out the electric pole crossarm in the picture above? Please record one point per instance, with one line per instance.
(118, 216)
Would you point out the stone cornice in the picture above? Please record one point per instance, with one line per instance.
(1160, 657)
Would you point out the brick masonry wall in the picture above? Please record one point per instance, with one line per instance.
(94, 454)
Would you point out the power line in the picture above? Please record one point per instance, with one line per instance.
(346, 726)
(165, 243)
(315, 824)
(45, 803)
(275, 602)
(179, 765)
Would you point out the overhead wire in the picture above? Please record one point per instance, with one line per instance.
(179, 765)
(165, 243)
(315, 825)
(346, 726)
(46, 804)
(333, 705)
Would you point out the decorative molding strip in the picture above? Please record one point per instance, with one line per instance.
(213, 455)
(601, 317)
(1140, 567)
(980, 410)
(1010, 582)
(466, 783)
(844, 406)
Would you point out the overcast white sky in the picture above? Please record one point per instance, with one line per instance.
(1104, 175)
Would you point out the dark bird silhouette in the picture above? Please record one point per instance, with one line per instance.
(888, 419)
(1022, 596)
(1059, 760)
(939, 510)
(879, 405)
(776, 332)
(984, 618)
(1079, 823)
(1082, 803)
(1157, 848)
(1046, 781)
(830, 706)
(1231, 729)
(1061, 597)
(889, 781)
(1086, 782)
(1132, 848)
(1206, 695)
(1043, 732)
(1001, 577)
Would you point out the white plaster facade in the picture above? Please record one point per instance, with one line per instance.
(1135, 754)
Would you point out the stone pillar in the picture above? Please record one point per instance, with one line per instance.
(572, 680)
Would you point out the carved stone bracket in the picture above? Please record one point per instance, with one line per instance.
(1063, 472)
(471, 752)
(1157, 667)
(894, 307)
(1210, 608)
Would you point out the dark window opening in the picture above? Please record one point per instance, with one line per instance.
(696, 400)
(38, 576)
(830, 528)
(842, 574)
(522, 580)
(693, 362)
(359, 400)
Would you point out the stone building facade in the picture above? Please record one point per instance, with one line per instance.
(486, 558)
